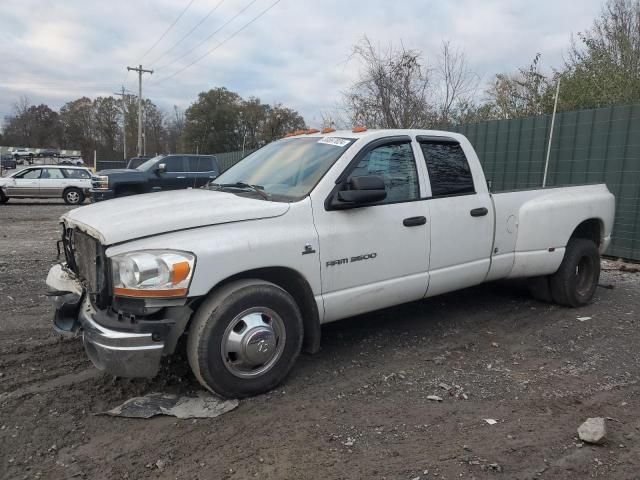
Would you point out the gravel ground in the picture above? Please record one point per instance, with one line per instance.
(361, 408)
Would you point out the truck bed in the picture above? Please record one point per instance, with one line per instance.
(532, 226)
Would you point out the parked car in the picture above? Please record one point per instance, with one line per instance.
(8, 162)
(49, 153)
(72, 161)
(308, 230)
(50, 181)
(135, 162)
(22, 155)
(164, 172)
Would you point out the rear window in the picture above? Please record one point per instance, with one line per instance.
(449, 171)
(76, 173)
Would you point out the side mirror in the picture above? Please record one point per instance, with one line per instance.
(363, 190)
(162, 168)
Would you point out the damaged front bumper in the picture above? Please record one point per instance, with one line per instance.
(121, 352)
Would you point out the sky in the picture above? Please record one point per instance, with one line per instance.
(296, 53)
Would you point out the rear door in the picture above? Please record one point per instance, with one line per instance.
(462, 218)
(201, 170)
(25, 184)
(52, 182)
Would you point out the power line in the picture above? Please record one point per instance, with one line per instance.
(220, 44)
(166, 31)
(209, 37)
(153, 62)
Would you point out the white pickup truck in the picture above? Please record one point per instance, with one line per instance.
(310, 229)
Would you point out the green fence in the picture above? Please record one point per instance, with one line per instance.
(229, 159)
(589, 146)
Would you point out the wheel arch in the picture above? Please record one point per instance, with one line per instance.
(294, 283)
(590, 229)
(133, 187)
(66, 189)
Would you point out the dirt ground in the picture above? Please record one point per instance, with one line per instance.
(358, 409)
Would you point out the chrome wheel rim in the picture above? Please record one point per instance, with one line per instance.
(253, 342)
(73, 197)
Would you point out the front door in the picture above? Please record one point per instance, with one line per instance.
(461, 219)
(174, 177)
(25, 184)
(375, 256)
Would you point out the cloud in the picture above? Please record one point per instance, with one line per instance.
(297, 53)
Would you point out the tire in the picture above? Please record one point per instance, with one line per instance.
(3, 198)
(575, 282)
(73, 196)
(540, 289)
(247, 310)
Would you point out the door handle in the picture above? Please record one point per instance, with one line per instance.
(479, 212)
(181, 177)
(414, 221)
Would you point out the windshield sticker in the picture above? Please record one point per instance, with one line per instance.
(335, 141)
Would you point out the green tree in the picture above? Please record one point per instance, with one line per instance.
(211, 123)
(107, 113)
(604, 63)
(78, 125)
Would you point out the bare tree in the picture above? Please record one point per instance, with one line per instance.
(526, 93)
(457, 82)
(393, 88)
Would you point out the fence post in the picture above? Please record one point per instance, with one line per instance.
(553, 121)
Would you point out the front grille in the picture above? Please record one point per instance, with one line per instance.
(85, 257)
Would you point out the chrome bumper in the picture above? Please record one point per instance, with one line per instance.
(121, 353)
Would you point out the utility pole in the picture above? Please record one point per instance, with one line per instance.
(140, 71)
(124, 125)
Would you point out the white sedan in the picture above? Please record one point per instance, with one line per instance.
(47, 181)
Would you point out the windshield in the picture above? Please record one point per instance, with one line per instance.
(287, 170)
(149, 163)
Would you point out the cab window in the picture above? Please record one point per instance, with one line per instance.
(449, 171)
(200, 164)
(173, 164)
(396, 165)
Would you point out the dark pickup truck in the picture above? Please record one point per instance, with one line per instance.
(164, 172)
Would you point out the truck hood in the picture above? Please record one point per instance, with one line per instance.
(123, 219)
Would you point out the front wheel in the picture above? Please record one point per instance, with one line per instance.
(575, 282)
(245, 338)
(73, 196)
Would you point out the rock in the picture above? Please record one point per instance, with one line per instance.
(435, 398)
(593, 430)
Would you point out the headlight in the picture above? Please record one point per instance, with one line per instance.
(152, 273)
(100, 182)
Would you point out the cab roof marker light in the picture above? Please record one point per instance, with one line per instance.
(312, 131)
(328, 130)
(359, 129)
